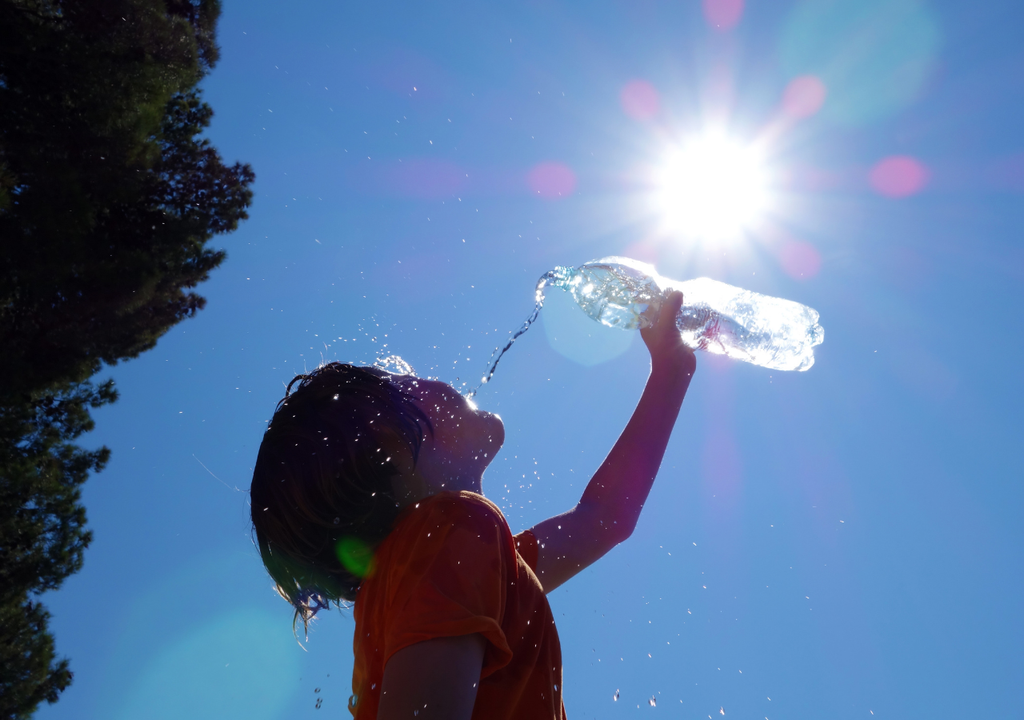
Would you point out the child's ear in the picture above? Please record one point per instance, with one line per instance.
(407, 485)
(399, 454)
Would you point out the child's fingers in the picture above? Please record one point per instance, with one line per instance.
(670, 309)
(664, 340)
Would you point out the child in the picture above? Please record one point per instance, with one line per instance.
(367, 489)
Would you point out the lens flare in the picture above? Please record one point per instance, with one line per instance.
(355, 555)
(711, 187)
(723, 14)
(640, 100)
(803, 97)
(551, 180)
(898, 176)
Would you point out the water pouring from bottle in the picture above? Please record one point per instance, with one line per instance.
(715, 317)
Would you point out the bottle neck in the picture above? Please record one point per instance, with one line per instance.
(560, 277)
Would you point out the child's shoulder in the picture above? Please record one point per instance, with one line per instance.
(462, 528)
(454, 508)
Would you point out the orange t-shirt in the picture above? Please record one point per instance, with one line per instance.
(451, 567)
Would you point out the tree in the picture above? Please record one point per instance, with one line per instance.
(108, 198)
(42, 532)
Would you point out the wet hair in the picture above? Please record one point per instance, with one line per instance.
(321, 495)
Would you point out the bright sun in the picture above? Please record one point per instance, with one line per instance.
(711, 188)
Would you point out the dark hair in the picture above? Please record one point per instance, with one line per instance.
(321, 495)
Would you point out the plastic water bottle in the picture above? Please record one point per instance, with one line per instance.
(719, 318)
(715, 317)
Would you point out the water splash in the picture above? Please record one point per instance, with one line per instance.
(546, 279)
(394, 364)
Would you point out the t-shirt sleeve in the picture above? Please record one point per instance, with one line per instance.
(453, 581)
(526, 546)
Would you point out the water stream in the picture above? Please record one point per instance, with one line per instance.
(545, 280)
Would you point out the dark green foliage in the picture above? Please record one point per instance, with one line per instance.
(42, 535)
(27, 673)
(42, 532)
(108, 197)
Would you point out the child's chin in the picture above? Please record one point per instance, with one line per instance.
(495, 434)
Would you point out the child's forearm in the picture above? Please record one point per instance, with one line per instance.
(612, 500)
(619, 488)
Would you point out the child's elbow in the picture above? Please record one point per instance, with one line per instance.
(606, 527)
(615, 530)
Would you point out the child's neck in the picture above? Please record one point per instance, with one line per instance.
(412, 488)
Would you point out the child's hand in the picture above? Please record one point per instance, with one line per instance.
(663, 339)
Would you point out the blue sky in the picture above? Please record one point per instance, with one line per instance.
(841, 543)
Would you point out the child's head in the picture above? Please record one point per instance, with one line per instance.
(322, 491)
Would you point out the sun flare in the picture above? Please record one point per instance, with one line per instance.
(711, 188)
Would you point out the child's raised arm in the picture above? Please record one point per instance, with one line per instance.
(611, 503)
